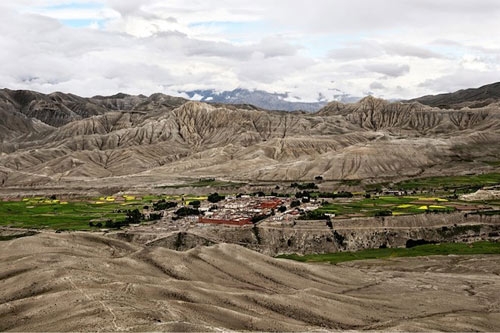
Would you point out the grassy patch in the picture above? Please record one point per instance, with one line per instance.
(370, 207)
(351, 182)
(60, 216)
(492, 163)
(18, 235)
(450, 182)
(417, 251)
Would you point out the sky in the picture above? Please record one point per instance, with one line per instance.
(310, 49)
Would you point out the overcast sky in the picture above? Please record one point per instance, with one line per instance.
(388, 48)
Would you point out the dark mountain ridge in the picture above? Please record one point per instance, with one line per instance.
(473, 98)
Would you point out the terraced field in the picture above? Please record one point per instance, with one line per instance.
(396, 205)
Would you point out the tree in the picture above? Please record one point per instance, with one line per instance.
(163, 205)
(314, 215)
(215, 197)
(134, 216)
(155, 216)
(300, 195)
(295, 203)
(109, 223)
(383, 213)
(185, 211)
(305, 186)
(282, 209)
(195, 203)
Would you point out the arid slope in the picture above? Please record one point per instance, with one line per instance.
(87, 282)
(60, 140)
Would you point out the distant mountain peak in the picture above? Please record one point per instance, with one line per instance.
(262, 99)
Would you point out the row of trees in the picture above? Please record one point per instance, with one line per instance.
(305, 186)
(131, 217)
(164, 205)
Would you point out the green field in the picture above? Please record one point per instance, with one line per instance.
(492, 163)
(42, 213)
(417, 251)
(207, 183)
(450, 182)
(404, 205)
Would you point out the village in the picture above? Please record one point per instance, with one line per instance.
(238, 210)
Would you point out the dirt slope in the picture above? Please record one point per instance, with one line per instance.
(86, 282)
(60, 140)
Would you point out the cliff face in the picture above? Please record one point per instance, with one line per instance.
(306, 237)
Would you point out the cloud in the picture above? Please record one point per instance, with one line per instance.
(407, 50)
(392, 70)
(376, 86)
(283, 46)
(460, 79)
(368, 49)
(364, 50)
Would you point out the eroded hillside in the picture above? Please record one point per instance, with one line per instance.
(89, 282)
(62, 139)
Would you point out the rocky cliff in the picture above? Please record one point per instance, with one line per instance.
(305, 237)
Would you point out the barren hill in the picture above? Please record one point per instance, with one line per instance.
(88, 282)
(474, 97)
(60, 140)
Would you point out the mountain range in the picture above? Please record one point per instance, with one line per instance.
(69, 141)
(266, 100)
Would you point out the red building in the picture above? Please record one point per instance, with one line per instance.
(270, 204)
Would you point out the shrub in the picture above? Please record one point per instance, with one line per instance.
(215, 197)
(155, 216)
(305, 186)
(163, 205)
(195, 203)
(383, 213)
(134, 216)
(186, 211)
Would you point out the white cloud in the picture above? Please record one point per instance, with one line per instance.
(388, 69)
(376, 86)
(398, 49)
